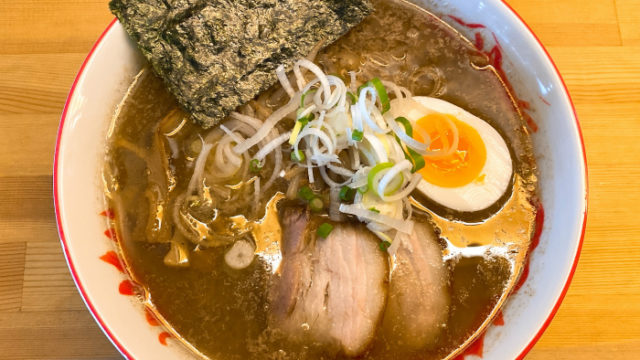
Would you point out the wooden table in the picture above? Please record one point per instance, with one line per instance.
(596, 44)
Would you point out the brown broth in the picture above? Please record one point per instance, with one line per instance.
(223, 312)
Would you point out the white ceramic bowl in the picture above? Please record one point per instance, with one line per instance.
(109, 69)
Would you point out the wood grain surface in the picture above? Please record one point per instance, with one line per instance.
(595, 43)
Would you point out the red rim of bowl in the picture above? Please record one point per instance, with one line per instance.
(74, 273)
(124, 351)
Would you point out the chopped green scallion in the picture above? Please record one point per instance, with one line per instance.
(381, 90)
(254, 165)
(347, 193)
(363, 189)
(295, 132)
(305, 193)
(375, 171)
(304, 96)
(352, 97)
(416, 159)
(305, 120)
(373, 209)
(384, 245)
(324, 230)
(382, 94)
(407, 125)
(297, 156)
(316, 204)
(357, 135)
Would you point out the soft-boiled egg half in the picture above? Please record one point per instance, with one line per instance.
(474, 176)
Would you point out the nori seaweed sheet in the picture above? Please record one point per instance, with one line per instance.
(215, 55)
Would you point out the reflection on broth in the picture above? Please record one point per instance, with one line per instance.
(322, 284)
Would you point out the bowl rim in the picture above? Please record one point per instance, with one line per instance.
(56, 201)
(122, 348)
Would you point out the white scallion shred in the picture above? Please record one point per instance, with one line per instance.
(340, 170)
(392, 173)
(284, 81)
(277, 166)
(309, 167)
(366, 107)
(268, 124)
(408, 140)
(405, 226)
(198, 169)
(415, 179)
(251, 121)
(316, 71)
(328, 180)
(341, 141)
(271, 146)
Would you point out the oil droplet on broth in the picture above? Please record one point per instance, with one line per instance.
(267, 233)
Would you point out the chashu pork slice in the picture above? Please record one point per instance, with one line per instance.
(328, 291)
(418, 304)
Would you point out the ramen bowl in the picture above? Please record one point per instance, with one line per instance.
(83, 220)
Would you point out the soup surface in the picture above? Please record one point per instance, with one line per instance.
(223, 312)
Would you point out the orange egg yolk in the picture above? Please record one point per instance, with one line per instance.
(464, 164)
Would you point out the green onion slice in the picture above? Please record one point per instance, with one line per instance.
(357, 135)
(362, 87)
(352, 97)
(295, 132)
(394, 185)
(305, 120)
(316, 204)
(300, 124)
(297, 156)
(416, 159)
(407, 125)
(373, 209)
(309, 92)
(381, 90)
(372, 174)
(254, 165)
(384, 245)
(382, 94)
(324, 230)
(305, 193)
(347, 193)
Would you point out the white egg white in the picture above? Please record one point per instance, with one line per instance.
(498, 168)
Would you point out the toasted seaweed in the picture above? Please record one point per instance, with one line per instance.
(215, 55)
